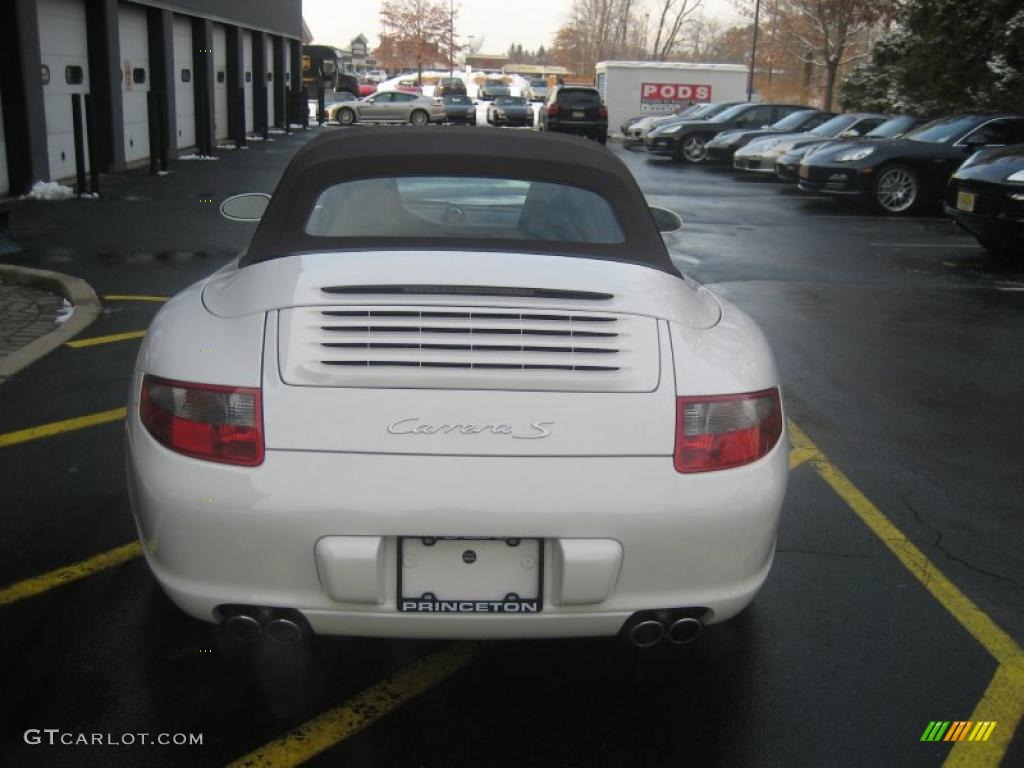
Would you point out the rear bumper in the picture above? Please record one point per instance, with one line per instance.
(215, 534)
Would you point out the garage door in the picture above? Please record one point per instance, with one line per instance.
(220, 82)
(134, 38)
(271, 78)
(184, 83)
(247, 78)
(64, 56)
(4, 182)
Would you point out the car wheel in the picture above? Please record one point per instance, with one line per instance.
(419, 117)
(601, 139)
(693, 149)
(896, 190)
(345, 116)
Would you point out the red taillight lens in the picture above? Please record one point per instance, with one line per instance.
(204, 421)
(602, 111)
(552, 109)
(724, 431)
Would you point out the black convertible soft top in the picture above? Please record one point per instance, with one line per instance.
(360, 153)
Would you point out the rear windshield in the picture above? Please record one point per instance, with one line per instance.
(579, 98)
(456, 98)
(893, 127)
(793, 121)
(835, 126)
(428, 207)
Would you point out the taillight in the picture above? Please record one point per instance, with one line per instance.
(205, 421)
(552, 109)
(725, 431)
(602, 111)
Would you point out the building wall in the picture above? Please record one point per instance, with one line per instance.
(114, 41)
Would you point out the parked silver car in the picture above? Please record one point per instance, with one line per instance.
(391, 107)
(537, 90)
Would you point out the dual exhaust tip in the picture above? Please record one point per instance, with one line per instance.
(645, 630)
(251, 624)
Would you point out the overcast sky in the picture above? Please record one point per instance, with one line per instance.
(529, 22)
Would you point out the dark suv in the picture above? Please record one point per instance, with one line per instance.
(575, 109)
(685, 140)
(449, 85)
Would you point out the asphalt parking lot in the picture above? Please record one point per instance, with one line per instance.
(895, 598)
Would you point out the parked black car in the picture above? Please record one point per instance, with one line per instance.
(787, 167)
(986, 197)
(510, 110)
(459, 108)
(447, 85)
(721, 148)
(575, 109)
(898, 175)
(686, 140)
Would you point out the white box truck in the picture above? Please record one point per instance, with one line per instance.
(631, 88)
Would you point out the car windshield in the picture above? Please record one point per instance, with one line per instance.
(942, 130)
(441, 207)
(578, 97)
(890, 128)
(729, 113)
(835, 126)
(793, 121)
(456, 98)
(515, 101)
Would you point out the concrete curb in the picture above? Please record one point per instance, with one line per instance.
(78, 292)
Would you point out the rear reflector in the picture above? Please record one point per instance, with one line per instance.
(205, 421)
(724, 431)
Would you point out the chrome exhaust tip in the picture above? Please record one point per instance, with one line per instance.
(243, 627)
(645, 634)
(284, 631)
(684, 630)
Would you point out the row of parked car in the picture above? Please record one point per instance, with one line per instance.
(973, 164)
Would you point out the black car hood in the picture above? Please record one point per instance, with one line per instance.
(995, 167)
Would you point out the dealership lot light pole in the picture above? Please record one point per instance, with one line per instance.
(753, 51)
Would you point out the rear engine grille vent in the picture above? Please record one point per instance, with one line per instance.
(477, 332)
(444, 347)
(467, 290)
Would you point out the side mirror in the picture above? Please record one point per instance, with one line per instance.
(666, 220)
(248, 206)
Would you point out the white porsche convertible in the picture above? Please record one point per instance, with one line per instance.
(455, 388)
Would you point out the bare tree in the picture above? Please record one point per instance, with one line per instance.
(416, 29)
(674, 14)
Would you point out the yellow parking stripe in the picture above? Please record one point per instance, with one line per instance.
(94, 340)
(69, 573)
(982, 628)
(798, 456)
(127, 297)
(1003, 701)
(1003, 704)
(361, 711)
(59, 427)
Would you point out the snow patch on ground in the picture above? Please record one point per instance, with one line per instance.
(96, 195)
(49, 190)
(162, 173)
(277, 130)
(197, 157)
(295, 126)
(65, 312)
(227, 146)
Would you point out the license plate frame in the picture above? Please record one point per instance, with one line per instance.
(431, 603)
(965, 201)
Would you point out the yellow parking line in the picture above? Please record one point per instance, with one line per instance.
(69, 573)
(59, 427)
(1003, 700)
(361, 711)
(128, 297)
(798, 456)
(94, 340)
